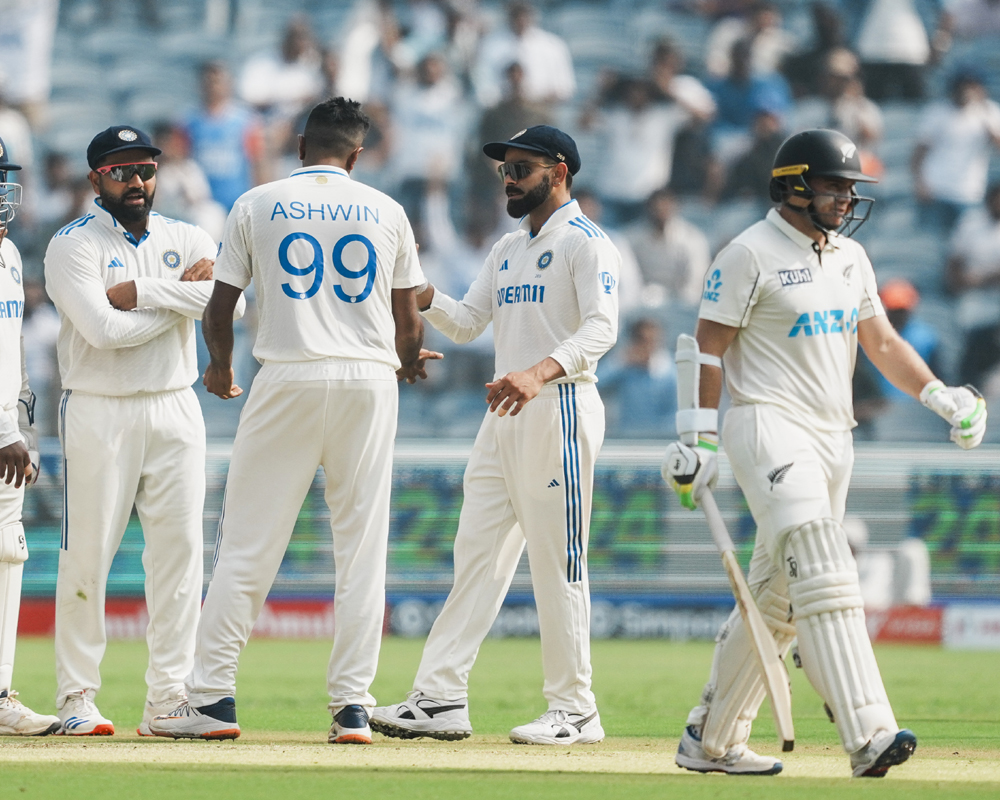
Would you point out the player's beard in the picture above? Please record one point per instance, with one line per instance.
(124, 213)
(517, 207)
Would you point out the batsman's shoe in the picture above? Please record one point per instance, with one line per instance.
(738, 760)
(350, 726)
(886, 749)
(215, 721)
(80, 717)
(560, 727)
(16, 719)
(152, 711)
(421, 716)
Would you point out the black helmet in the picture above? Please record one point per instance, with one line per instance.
(818, 153)
(10, 193)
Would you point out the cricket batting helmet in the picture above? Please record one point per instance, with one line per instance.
(10, 193)
(819, 153)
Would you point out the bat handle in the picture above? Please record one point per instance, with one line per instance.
(720, 535)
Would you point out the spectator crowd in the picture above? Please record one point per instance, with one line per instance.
(677, 152)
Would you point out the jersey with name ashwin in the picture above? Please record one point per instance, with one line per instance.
(150, 349)
(554, 294)
(324, 253)
(798, 311)
(13, 378)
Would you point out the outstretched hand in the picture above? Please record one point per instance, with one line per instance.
(416, 369)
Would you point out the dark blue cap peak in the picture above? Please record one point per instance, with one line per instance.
(543, 139)
(118, 138)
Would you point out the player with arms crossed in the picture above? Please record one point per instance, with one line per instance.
(128, 285)
(18, 463)
(785, 306)
(335, 269)
(550, 289)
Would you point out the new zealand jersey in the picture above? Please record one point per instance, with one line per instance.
(324, 254)
(554, 294)
(109, 352)
(798, 310)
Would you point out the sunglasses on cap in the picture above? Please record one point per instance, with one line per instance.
(123, 172)
(519, 170)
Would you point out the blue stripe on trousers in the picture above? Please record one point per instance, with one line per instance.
(64, 540)
(571, 476)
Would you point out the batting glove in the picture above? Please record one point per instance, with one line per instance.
(689, 470)
(962, 407)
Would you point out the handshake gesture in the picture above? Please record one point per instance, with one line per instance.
(962, 407)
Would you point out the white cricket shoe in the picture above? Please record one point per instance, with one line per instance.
(215, 721)
(419, 716)
(80, 717)
(350, 726)
(151, 712)
(886, 749)
(738, 760)
(16, 719)
(560, 727)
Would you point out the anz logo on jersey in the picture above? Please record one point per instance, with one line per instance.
(819, 322)
(525, 293)
(712, 286)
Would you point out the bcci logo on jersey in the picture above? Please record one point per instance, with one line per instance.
(172, 259)
(608, 282)
(543, 260)
(712, 286)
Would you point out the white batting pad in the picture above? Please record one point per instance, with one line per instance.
(735, 688)
(834, 646)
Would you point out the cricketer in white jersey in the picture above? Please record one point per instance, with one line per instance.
(17, 441)
(785, 306)
(334, 266)
(128, 285)
(550, 289)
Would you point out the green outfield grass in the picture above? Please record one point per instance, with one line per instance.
(644, 688)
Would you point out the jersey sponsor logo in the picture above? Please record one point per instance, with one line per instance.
(503, 266)
(116, 263)
(793, 277)
(15, 275)
(317, 266)
(171, 258)
(777, 475)
(11, 309)
(325, 212)
(608, 282)
(712, 286)
(819, 322)
(544, 259)
(524, 293)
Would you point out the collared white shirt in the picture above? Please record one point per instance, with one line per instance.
(116, 353)
(798, 312)
(324, 254)
(554, 294)
(13, 377)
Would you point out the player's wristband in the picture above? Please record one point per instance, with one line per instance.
(696, 420)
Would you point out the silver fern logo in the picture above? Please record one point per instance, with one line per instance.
(777, 475)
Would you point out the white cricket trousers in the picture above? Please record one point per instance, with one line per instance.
(530, 480)
(11, 570)
(147, 450)
(290, 428)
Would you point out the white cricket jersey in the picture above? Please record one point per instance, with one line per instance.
(554, 294)
(798, 312)
(109, 352)
(13, 378)
(324, 254)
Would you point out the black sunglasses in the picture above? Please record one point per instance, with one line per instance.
(519, 170)
(123, 172)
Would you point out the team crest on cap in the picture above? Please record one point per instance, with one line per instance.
(519, 133)
(15, 275)
(1, 149)
(544, 259)
(127, 135)
(848, 149)
(172, 259)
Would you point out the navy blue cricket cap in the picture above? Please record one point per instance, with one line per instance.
(543, 139)
(118, 138)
